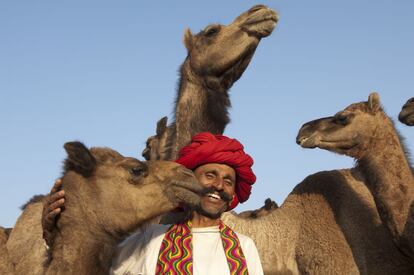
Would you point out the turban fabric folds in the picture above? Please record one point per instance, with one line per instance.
(208, 148)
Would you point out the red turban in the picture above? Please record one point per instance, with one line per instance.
(208, 148)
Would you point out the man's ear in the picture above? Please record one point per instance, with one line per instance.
(79, 159)
(188, 39)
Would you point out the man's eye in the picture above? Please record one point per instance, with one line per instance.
(229, 182)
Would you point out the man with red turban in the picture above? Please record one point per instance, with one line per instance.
(202, 244)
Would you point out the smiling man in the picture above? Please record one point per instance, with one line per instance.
(202, 244)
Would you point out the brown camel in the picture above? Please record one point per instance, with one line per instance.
(406, 115)
(348, 221)
(217, 57)
(108, 196)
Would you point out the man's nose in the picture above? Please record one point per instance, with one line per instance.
(218, 183)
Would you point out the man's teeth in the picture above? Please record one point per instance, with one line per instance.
(215, 196)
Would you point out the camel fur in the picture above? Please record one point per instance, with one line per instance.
(216, 58)
(108, 196)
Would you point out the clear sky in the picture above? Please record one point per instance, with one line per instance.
(104, 72)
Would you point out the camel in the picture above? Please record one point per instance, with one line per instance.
(406, 115)
(349, 221)
(108, 196)
(217, 57)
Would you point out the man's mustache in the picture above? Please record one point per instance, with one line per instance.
(223, 195)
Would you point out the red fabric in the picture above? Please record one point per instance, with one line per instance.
(208, 148)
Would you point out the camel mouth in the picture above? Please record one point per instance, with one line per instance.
(407, 117)
(261, 23)
(312, 142)
(188, 192)
(306, 142)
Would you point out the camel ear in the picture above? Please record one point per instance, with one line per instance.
(79, 159)
(374, 103)
(188, 39)
(161, 126)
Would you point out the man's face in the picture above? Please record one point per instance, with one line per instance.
(221, 178)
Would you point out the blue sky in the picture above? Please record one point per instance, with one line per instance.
(104, 72)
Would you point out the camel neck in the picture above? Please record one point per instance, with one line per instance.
(389, 177)
(208, 107)
(81, 250)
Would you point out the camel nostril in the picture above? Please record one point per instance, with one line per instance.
(257, 7)
(300, 140)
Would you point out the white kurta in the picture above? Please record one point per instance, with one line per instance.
(139, 253)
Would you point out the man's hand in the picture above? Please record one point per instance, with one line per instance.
(52, 207)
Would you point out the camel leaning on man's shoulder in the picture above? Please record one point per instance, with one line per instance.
(108, 197)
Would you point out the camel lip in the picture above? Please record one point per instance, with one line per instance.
(190, 195)
(303, 142)
(258, 20)
(191, 186)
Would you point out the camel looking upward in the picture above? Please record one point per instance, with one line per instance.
(406, 115)
(217, 57)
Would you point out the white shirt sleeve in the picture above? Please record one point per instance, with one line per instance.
(251, 254)
(138, 253)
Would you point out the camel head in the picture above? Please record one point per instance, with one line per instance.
(219, 54)
(350, 132)
(406, 115)
(118, 193)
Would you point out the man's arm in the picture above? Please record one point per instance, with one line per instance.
(52, 207)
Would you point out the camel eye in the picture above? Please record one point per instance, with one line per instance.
(211, 30)
(137, 171)
(341, 119)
